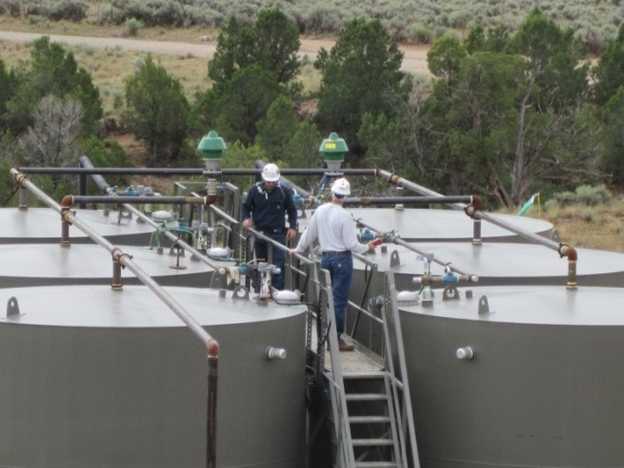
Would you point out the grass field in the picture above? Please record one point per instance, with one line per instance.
(110, 68)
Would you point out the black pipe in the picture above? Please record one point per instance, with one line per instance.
(166, 171)
(116, 200)
(428, 200)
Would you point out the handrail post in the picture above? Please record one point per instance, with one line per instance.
(117, 282)
(476, 231)
(65, 241)
(405, 392)
(22, 198)
(211, 412)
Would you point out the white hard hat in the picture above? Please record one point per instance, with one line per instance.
(341, 187)
(270, 173)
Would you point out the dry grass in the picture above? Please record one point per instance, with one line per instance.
(598, 227)
(86, 28)
(111, 67)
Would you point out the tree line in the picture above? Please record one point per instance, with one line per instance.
(506, 113)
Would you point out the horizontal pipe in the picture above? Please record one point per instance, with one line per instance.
(133, 200)
(211, 345)
(167, 171)
(472, 212)
(397, 240)
(414, 187)
(427, 200)
(103, 185)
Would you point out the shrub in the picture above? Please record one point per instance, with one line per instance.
(133, 26)
(322, 20)
(592, 195)
(10, 7)
(71, 10)
(110, 14)
(585, 195)
(419, 34)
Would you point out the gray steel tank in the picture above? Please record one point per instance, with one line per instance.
(425, 225)
(92, 378)
(495, 263)
(52, 264)
(544, 386)
(43, 225)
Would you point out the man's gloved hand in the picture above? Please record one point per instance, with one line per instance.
(291, 234)
(374, 243)
(247, 223)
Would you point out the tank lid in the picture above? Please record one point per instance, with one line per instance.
(436, 225)
(544, 305)
(496, 259)
(88, 261)
(133, 307)
(45, 223)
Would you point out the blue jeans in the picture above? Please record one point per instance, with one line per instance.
(341, 270)
(279, 256)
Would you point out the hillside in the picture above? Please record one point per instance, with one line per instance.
(408, 20)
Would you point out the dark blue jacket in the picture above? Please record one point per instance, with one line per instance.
(268, 209)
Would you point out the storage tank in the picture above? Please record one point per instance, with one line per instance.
(414, 224)
(52, 264)
(43, 225)
(544, 386)
(93, 377)
(495, 263)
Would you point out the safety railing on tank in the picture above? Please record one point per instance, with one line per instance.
(121, 260)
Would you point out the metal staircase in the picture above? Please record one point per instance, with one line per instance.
(371, 405)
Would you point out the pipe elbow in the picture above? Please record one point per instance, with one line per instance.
(67, 201)
(213, 348)
(568, 251)
(474, 207)
(18, 176)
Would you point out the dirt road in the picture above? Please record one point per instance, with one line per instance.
(414, 60)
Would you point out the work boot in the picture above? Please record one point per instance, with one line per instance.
(343, 345)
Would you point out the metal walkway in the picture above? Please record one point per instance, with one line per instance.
(370, 398)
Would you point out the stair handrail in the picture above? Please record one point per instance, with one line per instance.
(391, 310)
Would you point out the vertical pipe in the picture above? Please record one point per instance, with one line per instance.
(82, 188)
(23, 198)
(116, 283)
(65, 241)
(211, 419)
(476, 231)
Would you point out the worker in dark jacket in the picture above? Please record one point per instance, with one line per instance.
(265, 208)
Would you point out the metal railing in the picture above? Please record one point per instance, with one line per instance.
(474, 211)
(175, 240)
(122, 259)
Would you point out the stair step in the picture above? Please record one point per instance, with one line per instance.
(369, 419)
(365, 396)
(376, 464)
(364, 375)
(371, 442)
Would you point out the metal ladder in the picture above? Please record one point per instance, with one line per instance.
(380, 414)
